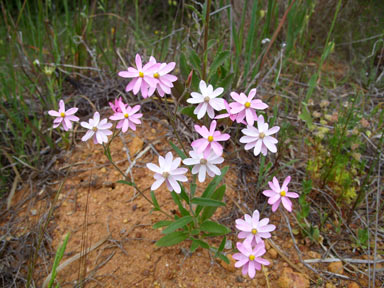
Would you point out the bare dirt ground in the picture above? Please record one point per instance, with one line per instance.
(115, 223)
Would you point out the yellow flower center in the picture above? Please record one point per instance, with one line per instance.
(165, 174)
(126, 115)
(156, 75)
(251, 257)
(254, 231)
(203, 161)
(247, 104)
(206, 99)
(283, 193)
(62, 114)
(261, 135)
(94, 129)
(210, 138)
(141, 74)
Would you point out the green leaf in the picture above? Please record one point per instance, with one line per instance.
(306, 117)
(211, 187)
(207, 202)
(155, 203)
(217, 195)
(196, 243)
(189, 112)
(59, 255)
(172, 239)
(183, 194)
(161, 224)
(194, 59)
(213, 227)
(178, 150)
(184, 67)
(181, 222)
(176, 199)
(217, 62)
(226, 83)
(223, 257)
(126, 183)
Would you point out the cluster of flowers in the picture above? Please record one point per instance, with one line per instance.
(253, 229)
(206, 151)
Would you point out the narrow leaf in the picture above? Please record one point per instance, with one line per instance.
(181, 222)
(172, 239)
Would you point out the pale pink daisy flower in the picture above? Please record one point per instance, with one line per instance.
(210, 140)
(204, 165)
(253, 229)
(250, 258)
(229, 114)
(245, 107)
(127, 117)
(280, 194)
(115, 106)
(64, 117)
(168, 172)
(165, 80)
(207, 100)
(142, 77)
(260, 138)
(97, 129)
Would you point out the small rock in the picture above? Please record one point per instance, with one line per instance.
(353, 285)
(330, 285)
(273, 253)
(231, 266)
(267, 245)
(125, 221)
(314, 255)
(290, 279)
(135, 146)
(33, 212)
(103, 170)
(239, 279)
(336, 267)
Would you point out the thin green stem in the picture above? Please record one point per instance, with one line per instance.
(206, 28)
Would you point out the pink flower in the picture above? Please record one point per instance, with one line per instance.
(245, 106)
(204, 165)
(210, 140)
(97, 129)
(142, 77)
(280, 194)
(64, 117)
(115, 107)
(253, 229)
(169, 172)
(260, 138)
(249, 258)
(229, 114)
(127, 117)
(207, 100)
(165, 80)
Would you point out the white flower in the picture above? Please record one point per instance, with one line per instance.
(98, 129)
(260, 138)
(207, 100)
(204, 165)
(169, 172)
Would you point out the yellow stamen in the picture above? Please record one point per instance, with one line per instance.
(203, 161)
(206, 99)
(261, 135)
(141, 74)
(165, 174)
(94, 129)
(283, 193)
(251, 257)
(210, 138)
(126, 115)
(254, 231)
(62, 114)
(247, 104)
(156, 75)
